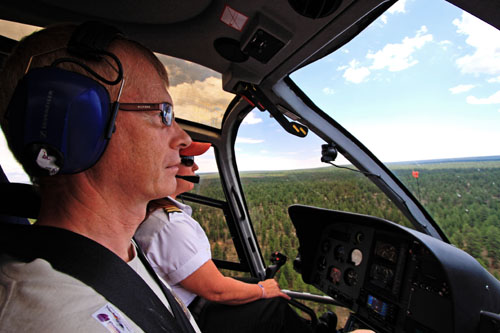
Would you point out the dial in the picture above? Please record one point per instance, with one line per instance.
(356, 257)
(335, 275)
(339, 253)
(359, 238)
(325, 246)
(386, 251)
(351, 277)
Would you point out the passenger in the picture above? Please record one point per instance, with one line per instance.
(99, 205)
(179, 251)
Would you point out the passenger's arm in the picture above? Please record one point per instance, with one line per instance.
(209, 283)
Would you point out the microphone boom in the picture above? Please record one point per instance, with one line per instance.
(192, 179)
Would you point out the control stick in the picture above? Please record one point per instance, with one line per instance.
(277, 260)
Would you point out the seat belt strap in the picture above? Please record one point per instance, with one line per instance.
(179, 310)
(94, 265)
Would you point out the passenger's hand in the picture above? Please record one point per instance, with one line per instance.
(272, 289)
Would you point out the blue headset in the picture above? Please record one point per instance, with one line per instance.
(60, 122)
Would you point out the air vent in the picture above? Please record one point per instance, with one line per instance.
(315, 9)
(229, 49)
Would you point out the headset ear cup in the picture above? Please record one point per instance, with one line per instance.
(62, 112)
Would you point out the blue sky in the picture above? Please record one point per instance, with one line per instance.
(421, 82)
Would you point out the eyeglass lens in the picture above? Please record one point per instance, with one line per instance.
(167, 114)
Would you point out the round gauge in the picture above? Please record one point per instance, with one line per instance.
(339, 253)
(359, 237)
(351, 277)
(356, 257)
(325, 246)
(335, 275)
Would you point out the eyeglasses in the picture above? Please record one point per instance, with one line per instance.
(187, 160)
(166, 110)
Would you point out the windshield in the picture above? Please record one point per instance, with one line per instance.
(196, 91)
(422, 92)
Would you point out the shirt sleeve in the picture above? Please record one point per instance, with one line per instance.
(178, 248)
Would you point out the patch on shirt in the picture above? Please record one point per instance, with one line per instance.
(112, 319)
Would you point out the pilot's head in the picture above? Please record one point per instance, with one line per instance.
(59, 124)
(188, 165)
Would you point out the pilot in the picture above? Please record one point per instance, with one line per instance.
(95, 175)
(179, 251)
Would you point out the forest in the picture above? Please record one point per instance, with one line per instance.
(462, 197)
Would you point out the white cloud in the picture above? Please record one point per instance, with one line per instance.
(441, 140)
(461, 88)
(356, 74)
(251, 119)
(398, 7)
(493, 99)
(202, 101)
(248, 140)
(494, 80)
(486, 43)
(328, 91)
(397, 57)
(444, 44)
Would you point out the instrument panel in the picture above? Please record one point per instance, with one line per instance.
(377, 274)
(394, 279)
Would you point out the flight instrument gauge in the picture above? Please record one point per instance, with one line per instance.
(351, 277)
(339, 253)
(356, 257)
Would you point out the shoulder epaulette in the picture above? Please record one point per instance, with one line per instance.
(171, 208)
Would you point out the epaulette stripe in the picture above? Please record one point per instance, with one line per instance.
(172, 209)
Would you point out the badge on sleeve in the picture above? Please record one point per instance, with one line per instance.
(112, 319)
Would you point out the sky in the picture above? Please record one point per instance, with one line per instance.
(421, 82)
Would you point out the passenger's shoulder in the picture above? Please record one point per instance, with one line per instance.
(36, 297)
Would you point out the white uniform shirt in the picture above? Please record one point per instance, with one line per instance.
(175, 245)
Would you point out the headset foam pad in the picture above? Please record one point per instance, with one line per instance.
(65, 113)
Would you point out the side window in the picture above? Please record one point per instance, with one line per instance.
(209, 214)
(12, 169)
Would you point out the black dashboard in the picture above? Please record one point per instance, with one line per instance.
(394, 279)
